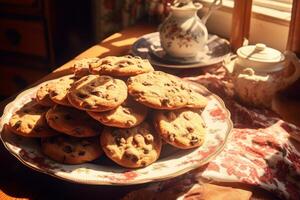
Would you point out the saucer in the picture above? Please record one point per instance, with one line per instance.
(159, 53)
(149, 47)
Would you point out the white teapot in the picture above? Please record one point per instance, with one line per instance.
(183, 34)
(259, 72)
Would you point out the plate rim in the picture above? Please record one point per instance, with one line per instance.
(98, 182)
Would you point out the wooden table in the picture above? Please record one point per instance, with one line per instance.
(20, 182)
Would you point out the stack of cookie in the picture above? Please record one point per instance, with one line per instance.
(105, 106)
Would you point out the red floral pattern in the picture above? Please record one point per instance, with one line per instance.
(260, 151)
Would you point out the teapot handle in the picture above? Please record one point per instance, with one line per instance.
(291, 56)
(214, 6)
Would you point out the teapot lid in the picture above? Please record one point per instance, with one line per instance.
(260, 53)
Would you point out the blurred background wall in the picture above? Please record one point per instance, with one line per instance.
(37, 36)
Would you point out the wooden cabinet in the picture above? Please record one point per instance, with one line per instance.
(20, 36)
(26, 48)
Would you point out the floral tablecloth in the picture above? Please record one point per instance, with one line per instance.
(260, 150)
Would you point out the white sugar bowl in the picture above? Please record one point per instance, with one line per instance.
(259, 72)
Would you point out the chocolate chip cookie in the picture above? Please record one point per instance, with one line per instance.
(30, 121)
(194, 98)
(72, 122)
(42, 95)
(81, 67)
(121, 66)
(71, 150)
(133, 148)
(60, 87)
(127, 115)
(183, 128)
(97, 93)
(158, 90)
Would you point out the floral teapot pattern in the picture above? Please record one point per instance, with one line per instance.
(259, 72)
(183, 34)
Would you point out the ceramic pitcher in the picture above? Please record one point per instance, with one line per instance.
(183, 33)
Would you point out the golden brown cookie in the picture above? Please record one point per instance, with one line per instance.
(121, 66)
(30, 121)
(183, 128)
(97, 93)
(42, 95)
(60, 88)
(158, 90)
(70, 150)
(73, 122)
(80, 67)
(133, 148)
(195, 99)
(127, 115)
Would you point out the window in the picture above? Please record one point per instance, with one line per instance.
(280, 5)
(276, 9)
(268, 16)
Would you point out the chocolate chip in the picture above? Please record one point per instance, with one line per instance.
(109, 87)
(147, 84)
(131, 154)
(190, 129)
(97, 93)
(38, 128)
(126, 110)
(119, 140)
(53, 93)
(68, 117)
(96, 128)
(148, 138)
(177, 90)
(152, 92)
(81, 95)
(87, 106)
(26, 111)
(129, 122)
(18, 124)
(67, 149)
(51, 140)
(194, 140)
(85, 143)
(78, 130)
(143, 163)
(165, 101)
(186, 116)
(105, 62)
(81, 153)
(146, 151)
(172, 137)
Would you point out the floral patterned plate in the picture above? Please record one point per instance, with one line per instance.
(173, 162)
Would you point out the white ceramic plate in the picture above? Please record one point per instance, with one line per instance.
(149, 47)
(173, 162)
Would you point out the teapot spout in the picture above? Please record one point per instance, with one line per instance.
(291, 56)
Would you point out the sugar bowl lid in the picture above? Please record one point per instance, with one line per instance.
(260, 57)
